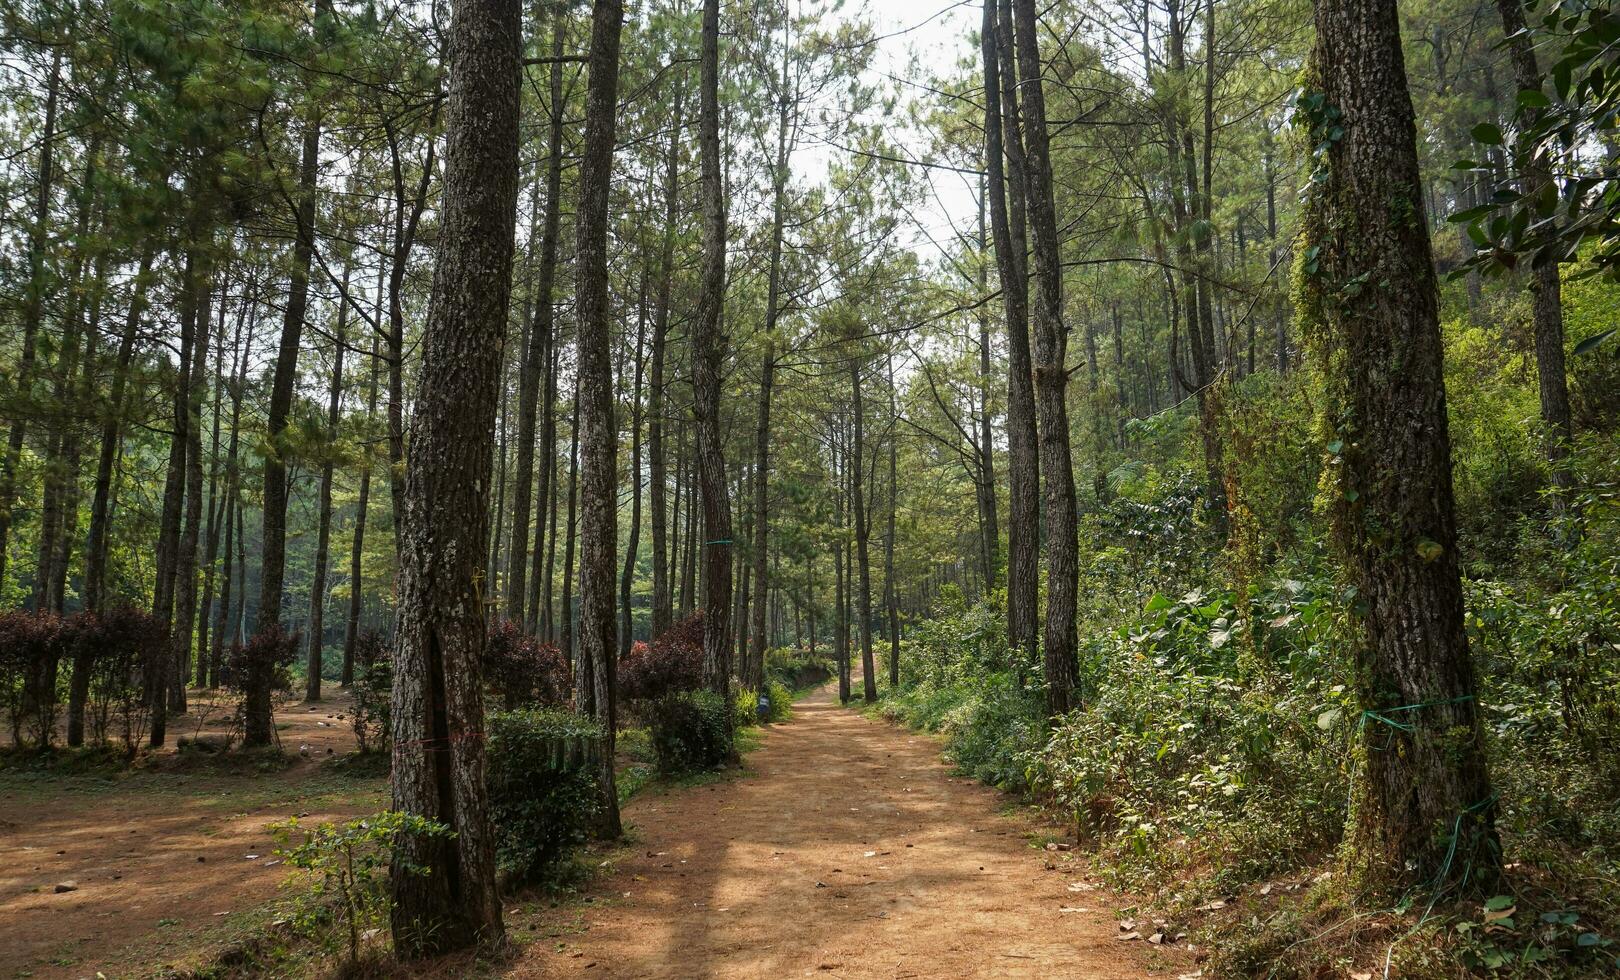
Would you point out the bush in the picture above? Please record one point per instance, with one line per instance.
(256, 669)
(672, 662)
(521, 670)
(798, 670)
(745, 706)
(543, 788)
(373, 691)
(112, 652)
(346, 874)
(30, 648)
(691, 731)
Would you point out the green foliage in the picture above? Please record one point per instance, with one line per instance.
(958, 678)
(543, 789)
(344, 881)
(798, 669)
(745, 705)
(690, 730)
(1554, 220)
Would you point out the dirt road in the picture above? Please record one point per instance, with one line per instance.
(852, 853)
(126, 873)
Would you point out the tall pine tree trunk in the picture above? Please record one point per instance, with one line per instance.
(598, 435)
(1051, 378)
(708, 355)
(1003, 141)
(438, 709)
(323, 532)
(1423, 811)
(658, 470)
(1545, 289)
(273, 544)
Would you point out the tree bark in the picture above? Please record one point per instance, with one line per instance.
(33, 304)
(632, 548)
(1051, 379)
(891, 600)
(598, 433)
(1423, 812)
(186, 566)
(707, 359)
(438, 710)
(1003, 140)
(273, 544)
(1545, 289)
(862, 529)
(985, 486)
(323, 533)
(658, 471)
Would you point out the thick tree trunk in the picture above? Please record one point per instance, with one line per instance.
(1051, 379)
(1424, 811)
(708, 355)
(438, 710)
(1003, 140)
(599, 436)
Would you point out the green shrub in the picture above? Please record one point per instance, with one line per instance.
(745, 705)
(346, 874)
(798, 670)
(691, 731)
(781, 701)
(543, 793)
(745, 708)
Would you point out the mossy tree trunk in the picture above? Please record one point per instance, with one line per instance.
(1423, 813)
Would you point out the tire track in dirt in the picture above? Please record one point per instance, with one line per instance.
(853, 852)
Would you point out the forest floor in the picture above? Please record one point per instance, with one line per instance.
(843, 848)
(853, 852)
(167, 859)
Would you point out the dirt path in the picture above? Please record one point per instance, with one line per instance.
(158, 860)
(853, 853)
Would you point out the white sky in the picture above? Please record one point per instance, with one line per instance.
(918, 39)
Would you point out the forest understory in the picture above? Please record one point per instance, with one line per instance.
(522, 489)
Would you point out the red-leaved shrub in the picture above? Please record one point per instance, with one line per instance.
(672, 662)
(30, 650)
(521, 670)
